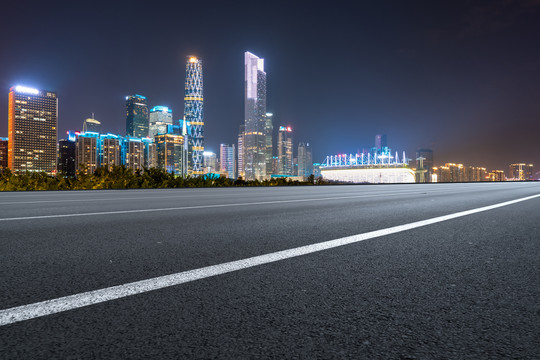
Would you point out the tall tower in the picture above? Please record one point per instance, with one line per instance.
(255, 118)
(268, 132)
(137, 116)
(285, 151)
(193, 115)
(32, 130)
(305, 160)
(227, 160)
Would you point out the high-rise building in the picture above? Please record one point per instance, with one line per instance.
(193, 114)
(171, 153)
(285, 151)
(160, 118)
(91, 125)
(380, 141)
(150, 153)
(32, 130)
(67, 153)
(210, 162)
(133, 153)
(305, 160)
(426, 162)
(137, 117)
(521, 172)
(227, 160)
(496, 175)
(110, 151)
(3, 154)
(254, 159)
(268, 132)
(87, 152)
(240, 163)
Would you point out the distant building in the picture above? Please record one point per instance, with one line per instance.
(254, 145)
(285, 151)
(3, 154)
(91, 125)
(160, 118)
(32, 130)
(137, 116)
(450, 172)
(210, 162)
(427, 163)
(305, 160)
(150, 153)
(172, 153)
(110, 151)
(240, 162)
(193, 114)
(67, 157)
(520, 172)
(87, 151)
(268, 133)
(496, 175)
(380, 141)
(133, 153)
(473, 173)
(227, 160)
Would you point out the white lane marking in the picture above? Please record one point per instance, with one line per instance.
(206, 206)
(48, 307)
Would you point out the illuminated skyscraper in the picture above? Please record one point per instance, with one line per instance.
(193, 114)
(285, 151)
(137, 117)
(32, 134)
(240, 162)
(110, 150)
(210, 162)
(255, 118)
(3, 154)
(227, 160)
(521, 172)
(160, 118)
(171, 153)
(268, 132)
(87, 152)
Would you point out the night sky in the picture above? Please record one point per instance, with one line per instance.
(460, 77)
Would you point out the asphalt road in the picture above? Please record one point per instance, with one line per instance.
(462, 288)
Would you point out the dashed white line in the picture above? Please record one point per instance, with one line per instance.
(32, 311)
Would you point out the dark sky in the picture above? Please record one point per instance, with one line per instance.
(460, 77)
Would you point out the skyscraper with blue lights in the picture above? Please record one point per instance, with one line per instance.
(193, 115)
(137, 116)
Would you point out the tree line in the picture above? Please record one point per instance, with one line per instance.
(120, 177)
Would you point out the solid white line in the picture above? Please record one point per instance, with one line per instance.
(48, 307)
(204, 206)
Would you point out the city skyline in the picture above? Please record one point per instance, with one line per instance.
(455, 80)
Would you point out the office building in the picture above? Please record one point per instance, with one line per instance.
(91, 125)
(32, 130)
(160, 118)
(67, 157)
(110, 151)
(172, 153)
(193, 114)
(137, 116)
(227, 158)
(520, 172)
(240, 162)
(285, 151)
(496, 175)
(254, 159)
(150, 153)
(87, 151)
(305, 160)
(3, 154)
(133, 153)
(210, 162)
(268, 132)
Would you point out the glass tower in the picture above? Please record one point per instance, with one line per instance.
(285, 151)
(193, 115)
(32, 134)
(137, 116)
(255, 118)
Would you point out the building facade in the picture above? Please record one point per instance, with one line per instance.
(227, 156)
(520, 172)
(67, 157)
(160, 118)
(193, 114)
(3, 154)
(137, 116)
(87, 151)
(285, 151)
(254, 146)
(240, 157)
(133, 153)
(171, 153)
(91, 125)
(268, 133)
(305, 160)
(32, 130)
